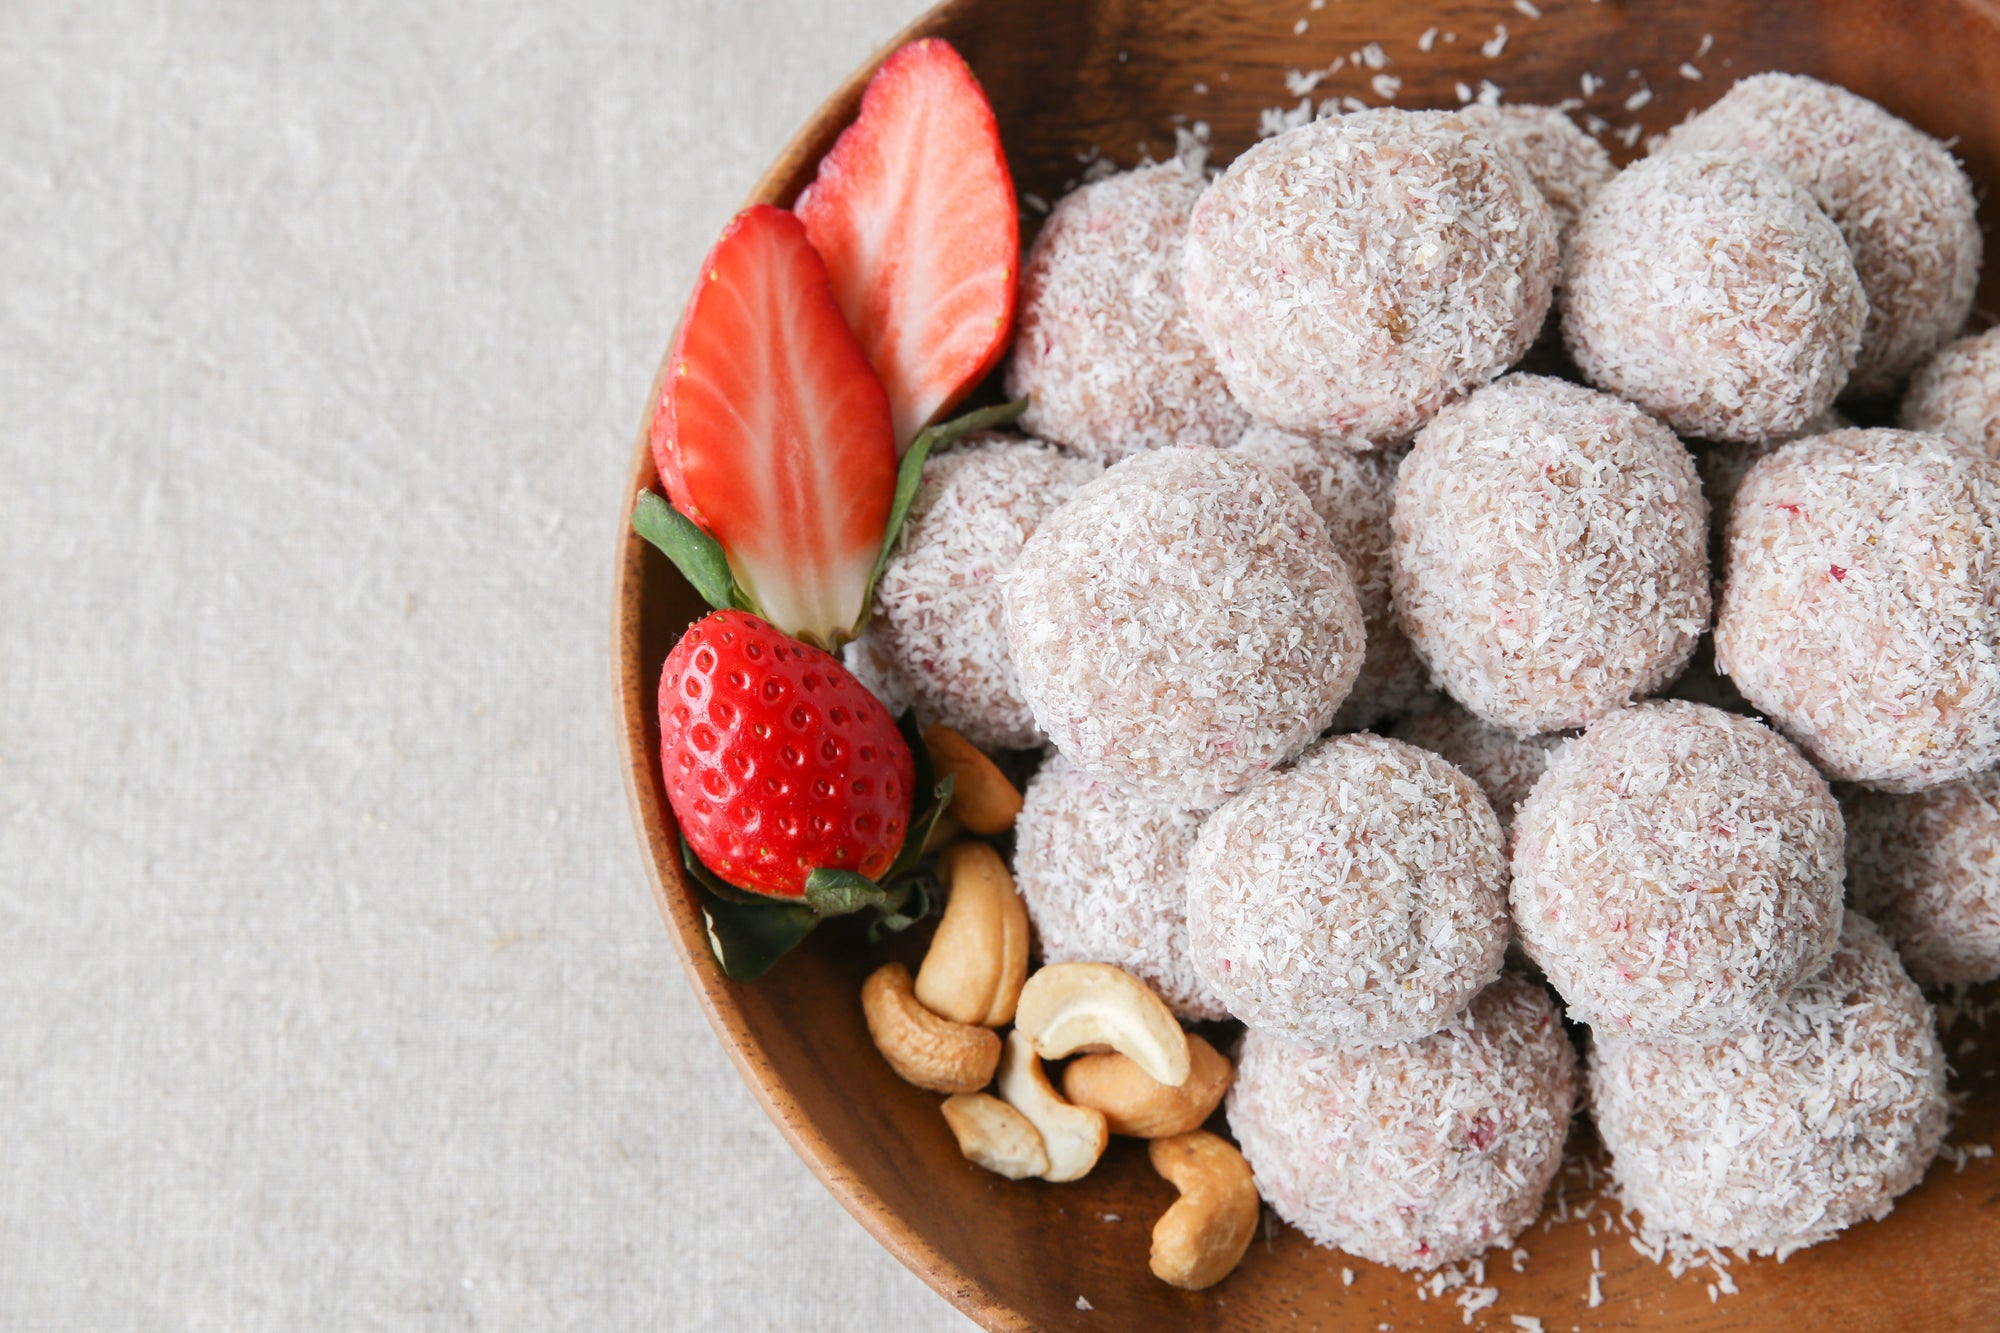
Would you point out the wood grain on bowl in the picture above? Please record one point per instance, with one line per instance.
(1071, 79)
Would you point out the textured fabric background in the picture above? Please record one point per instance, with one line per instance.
(331, 995)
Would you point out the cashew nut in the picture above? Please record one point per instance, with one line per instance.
(1069, 1007)
(1203, 1236)
(1136, 1104)
(981, 797)
(996, 1136)
(979, 956)
(922, 1048)
(1074, 1136)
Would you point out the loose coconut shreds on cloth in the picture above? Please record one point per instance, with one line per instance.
(1353, 493)
(1957, 394)
(1677, 871)
(1105, 352)
(1354, 275)
(1414, 1155)
(1182, 624)
(1566, 165)
(1104, 876)
(1504, 765)
(1779, 1136)
(1925, 868)
(1861, 607)
(1712, 291)
(937, 636)
(1551, 553)
(1357, 897)
(1900, 199)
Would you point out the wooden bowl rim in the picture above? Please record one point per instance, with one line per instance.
(671, 894)
(636, 701)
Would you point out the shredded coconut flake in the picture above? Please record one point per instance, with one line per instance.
(1677, 870)
(1902, 202)
(1357, 896)
(1922, 866)
(1712, 291)
(1417, 1155)
(936, 640)
(1956, 394)
(1550, 553)
(1779, 1135)
(1182, 624)
(1335, 308)
(1105, 353)
(1861, 608)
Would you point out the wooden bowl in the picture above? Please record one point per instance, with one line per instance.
(1069, 78)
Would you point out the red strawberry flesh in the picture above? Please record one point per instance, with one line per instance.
(776, 760)
(772, 431)
(913, 210)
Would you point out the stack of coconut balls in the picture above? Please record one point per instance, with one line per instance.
(1278, 487)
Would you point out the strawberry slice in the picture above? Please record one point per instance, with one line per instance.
(913, 210)
(772, 433)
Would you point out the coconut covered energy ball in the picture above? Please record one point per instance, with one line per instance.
(1778, 1136)
(1925, 867)
(1957, 394)
(1353, 493)
(1419, 1154)
(936, 637)
(1711, 290)
(1103, 874)
(1901, 201)
(1504, 765)
(1357, 897)
(1677, 871)
(1104, 352)
(1566, 165)
(1861, 606)
(1182, 624)
(1354, 275)
(1550, 552)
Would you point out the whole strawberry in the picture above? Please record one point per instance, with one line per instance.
(777, 761)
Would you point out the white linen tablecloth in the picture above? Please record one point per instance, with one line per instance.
(331, 994)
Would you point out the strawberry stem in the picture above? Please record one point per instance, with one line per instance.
(695, 554)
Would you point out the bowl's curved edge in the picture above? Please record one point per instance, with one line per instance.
(654, 823)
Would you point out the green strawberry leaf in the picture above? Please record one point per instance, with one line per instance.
(747, 938)
(923, 818)
(695, 554)
(910, 471)
(715, 883)
(909, 903)
(832, 892)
